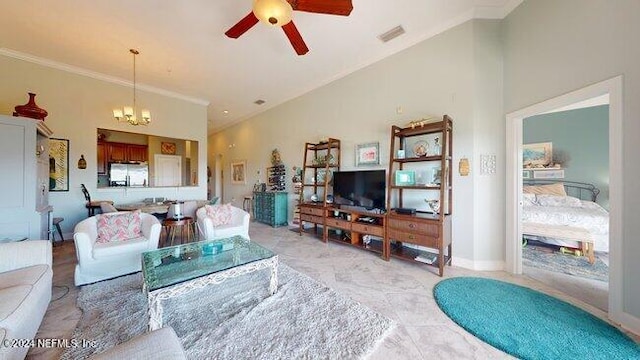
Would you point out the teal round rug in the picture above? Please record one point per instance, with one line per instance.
(529, 324)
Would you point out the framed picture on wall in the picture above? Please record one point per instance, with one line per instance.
(58, 164)
(534, 155)
(368, 154)
(239, 172)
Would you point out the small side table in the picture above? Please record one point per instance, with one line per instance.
(171, 225)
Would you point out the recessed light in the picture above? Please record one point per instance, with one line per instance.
(225, 112)
(259, 102)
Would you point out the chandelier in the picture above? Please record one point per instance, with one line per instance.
(128, 113)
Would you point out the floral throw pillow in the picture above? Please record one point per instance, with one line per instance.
(219, 214)
(118, 226)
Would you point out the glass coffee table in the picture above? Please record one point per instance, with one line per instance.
(177, 270)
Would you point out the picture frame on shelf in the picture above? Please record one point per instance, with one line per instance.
(368, 154)
(58, 164)
(239, 172)
(405, 178)
(537, 154)
(548, 174)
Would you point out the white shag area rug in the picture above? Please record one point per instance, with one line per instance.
(236, 319)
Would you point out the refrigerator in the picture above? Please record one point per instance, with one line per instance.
(128, 174)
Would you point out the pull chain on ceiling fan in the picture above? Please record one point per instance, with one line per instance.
(278, 13)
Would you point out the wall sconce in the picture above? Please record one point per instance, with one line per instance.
(82, 163)
(39, 150)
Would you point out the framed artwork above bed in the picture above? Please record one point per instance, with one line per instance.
(537, 155)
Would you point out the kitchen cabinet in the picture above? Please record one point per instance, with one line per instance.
(120, 152)
(102, 159)
(136, 153)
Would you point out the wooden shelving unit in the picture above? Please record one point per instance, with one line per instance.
(426, 229)
(320, 160)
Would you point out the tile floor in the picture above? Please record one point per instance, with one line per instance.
(398, 289)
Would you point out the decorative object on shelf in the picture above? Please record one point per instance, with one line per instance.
(436, 175)
(82, 163)
(297, 175)
(322, 173)
(329, 199)
(58, 164)
(463, 167)
(420, 148)
(30, 109)
(276, 177)
(405, 178)
(548, 173)
(434, 205)
(128, 113)
(537, 155)
(314, 197)
(368, 154)
(275, 158)
(400, 154)
(323, 160)
(420, 123)
(168, 148)
(239, 172)
(437, 148)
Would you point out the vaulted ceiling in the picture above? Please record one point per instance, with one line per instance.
(183, 48)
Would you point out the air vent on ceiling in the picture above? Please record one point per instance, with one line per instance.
(259, 102)
(391, 34)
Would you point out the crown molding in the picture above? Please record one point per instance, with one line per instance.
(98, 76)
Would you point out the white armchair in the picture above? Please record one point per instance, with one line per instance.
(239, 225)
(25, 283)
(101, 261)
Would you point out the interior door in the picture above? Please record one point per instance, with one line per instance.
(168, 170)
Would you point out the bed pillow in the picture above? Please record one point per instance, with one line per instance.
(118, 226)
(551, 189)
(554, 200)
(529, 200)
(219, 214)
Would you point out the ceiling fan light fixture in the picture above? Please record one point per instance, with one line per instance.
(273, 12)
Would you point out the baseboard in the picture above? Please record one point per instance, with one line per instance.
(478, 265)
(628, 322)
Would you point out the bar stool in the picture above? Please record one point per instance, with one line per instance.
(56, 223)
(92, 205)
(171, 225)
(247, 204)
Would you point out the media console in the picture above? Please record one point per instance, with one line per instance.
(342, 224)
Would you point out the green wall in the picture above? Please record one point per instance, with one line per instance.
(581, 138)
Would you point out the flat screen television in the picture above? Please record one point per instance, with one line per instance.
(360, 188)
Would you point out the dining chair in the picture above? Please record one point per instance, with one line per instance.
(106, 208)
(92, 205)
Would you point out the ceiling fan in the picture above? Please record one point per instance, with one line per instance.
(278, 13)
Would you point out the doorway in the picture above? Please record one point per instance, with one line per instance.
(514, 174)
(568, 190)
(168, 170)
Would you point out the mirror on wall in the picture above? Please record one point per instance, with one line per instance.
(128, 159)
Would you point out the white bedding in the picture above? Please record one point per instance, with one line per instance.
(570, 211)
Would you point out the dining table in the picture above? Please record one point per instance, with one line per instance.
(153, 207)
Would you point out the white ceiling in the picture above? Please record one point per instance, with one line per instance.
(183, 48)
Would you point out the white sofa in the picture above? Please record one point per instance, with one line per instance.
(25, 292)
(239, 225)
(98, 261)
(158, 344)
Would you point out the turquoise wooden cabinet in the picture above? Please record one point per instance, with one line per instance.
(271, 207)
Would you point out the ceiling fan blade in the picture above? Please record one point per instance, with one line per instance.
(332, 7)
(242, 26)
(295, 38)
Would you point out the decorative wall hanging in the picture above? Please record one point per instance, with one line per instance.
(58, 164)
(368, 154)
(239, 172)
(82, 163)
(168, 148)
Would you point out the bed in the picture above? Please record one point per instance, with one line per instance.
(565, 214)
